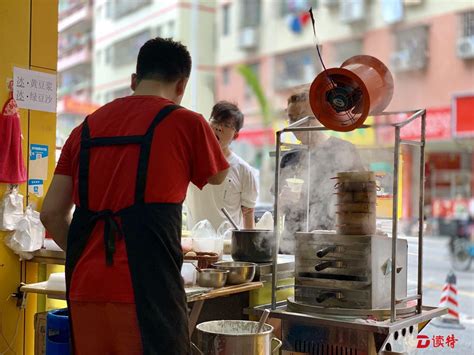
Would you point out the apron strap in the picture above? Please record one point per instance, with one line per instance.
(84, 154)
(111, 226)
(145, 149)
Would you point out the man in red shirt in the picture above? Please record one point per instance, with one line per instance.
(126, 168)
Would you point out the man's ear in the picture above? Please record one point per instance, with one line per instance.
(181, 86)
(133, 82)
(236, 135)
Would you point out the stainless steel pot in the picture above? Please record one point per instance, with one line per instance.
(236, 337)
(252, 245)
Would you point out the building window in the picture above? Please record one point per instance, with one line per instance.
(250, 14)
(226, 76)
(108, 54)
(226, 19)
(411, 49)
(296, 68)
(125, 51)
(467, 24)
(346, 50)
(255, 67)
(288, 7)
(171, 29)
(120, 8)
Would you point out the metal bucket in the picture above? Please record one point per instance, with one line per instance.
(235, 337)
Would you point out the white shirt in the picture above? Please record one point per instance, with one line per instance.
(240, 188)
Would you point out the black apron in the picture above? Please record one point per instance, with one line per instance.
(152, 233)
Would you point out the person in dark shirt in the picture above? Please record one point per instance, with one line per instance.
(327, 156)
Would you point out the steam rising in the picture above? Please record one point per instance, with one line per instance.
(326, 160)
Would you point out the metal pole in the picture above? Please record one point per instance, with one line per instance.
(421, 214)
(396, 158)
(276, 222)
(308, 184)
(195, 52)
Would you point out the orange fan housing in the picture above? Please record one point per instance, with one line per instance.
(342, 98)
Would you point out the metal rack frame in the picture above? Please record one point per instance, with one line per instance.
(398, 126)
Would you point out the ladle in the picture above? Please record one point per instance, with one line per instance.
(196, 267)
(262, 320)
(229, 218)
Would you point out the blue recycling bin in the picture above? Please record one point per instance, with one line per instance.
(57, 332)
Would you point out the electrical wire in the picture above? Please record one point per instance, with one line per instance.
(10, 344)
(351, 117)
(313, 22)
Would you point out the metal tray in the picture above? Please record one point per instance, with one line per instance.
(377, 314)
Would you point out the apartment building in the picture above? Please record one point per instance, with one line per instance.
(74, 65)
(121, 27)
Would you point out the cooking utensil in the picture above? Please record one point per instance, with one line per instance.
(252, 245)
(229, 218)
(212, 278)
(239, 272)
(196, 267)
(225, 337)
(262, 320)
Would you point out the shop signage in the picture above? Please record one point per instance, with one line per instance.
(463, 115)
(34, 90)
(438, 126)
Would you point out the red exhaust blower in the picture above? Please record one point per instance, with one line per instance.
(342, 98)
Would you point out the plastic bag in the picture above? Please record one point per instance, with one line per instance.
(11, 210)
(225, 230)
(266, 222)
(203, 229)
(29, 234)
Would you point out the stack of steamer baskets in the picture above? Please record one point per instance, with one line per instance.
(356, 203)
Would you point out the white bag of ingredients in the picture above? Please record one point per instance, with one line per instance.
(266, 222)
(11, 210)
(29, 234)
(205, 238)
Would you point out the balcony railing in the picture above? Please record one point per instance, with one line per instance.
(70, 18)
(82, 55)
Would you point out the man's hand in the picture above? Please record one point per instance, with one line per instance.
(56, 211)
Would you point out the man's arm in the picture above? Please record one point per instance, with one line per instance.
(248, 217)
(218, 178)
(56, 211)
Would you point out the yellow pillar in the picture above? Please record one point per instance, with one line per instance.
(28, 39)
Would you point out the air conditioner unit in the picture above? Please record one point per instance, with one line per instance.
(330, 3)
(465, 47)
(248, 38)
(352, 10)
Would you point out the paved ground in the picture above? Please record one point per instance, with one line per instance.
(436, 266)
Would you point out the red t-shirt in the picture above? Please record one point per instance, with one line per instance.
(184, 150)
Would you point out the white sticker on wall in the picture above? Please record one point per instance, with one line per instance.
(34, 90)
(35, 187)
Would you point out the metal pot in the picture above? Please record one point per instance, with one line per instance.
(236, 337)
(252, 245)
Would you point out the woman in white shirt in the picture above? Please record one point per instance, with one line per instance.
(239, 192)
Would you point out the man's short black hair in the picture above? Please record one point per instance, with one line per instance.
(164, 60)
(225, 111)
